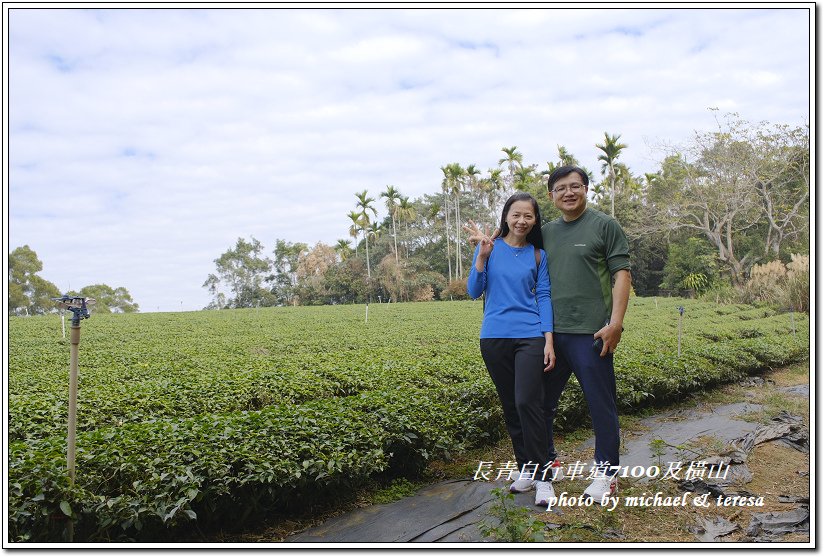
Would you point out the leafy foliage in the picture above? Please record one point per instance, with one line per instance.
(215, 418)
(108, 299)
(28, 292)
(516, 523)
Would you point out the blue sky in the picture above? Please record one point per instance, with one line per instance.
(150, 140)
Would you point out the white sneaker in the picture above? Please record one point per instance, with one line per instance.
(520, 485)
(544, 493)
(556, 471)
(601, 487)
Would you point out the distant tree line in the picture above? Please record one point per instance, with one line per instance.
(30, 294)
(725, 202)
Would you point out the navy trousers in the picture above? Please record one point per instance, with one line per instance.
(596, 375)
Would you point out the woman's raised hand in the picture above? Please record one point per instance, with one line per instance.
(476, 234)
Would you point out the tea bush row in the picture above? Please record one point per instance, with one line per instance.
(220, 417)
(151, 481)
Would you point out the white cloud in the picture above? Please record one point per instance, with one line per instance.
(155, 138)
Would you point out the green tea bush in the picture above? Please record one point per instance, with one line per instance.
(207, 420)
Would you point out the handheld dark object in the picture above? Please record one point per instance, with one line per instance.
(598, 345)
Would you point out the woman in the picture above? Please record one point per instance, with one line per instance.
(516, 334)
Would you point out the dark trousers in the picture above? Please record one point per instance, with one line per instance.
(596, 376)
(516, 366)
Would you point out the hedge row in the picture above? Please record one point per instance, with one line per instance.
(404, 399)
(150, 481)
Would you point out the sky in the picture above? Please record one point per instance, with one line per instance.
(142, 143)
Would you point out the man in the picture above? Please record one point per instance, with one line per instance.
(589, 270)
(588, 263)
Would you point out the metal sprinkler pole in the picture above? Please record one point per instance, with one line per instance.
(75, 349)
(77, 305)
(74, 333)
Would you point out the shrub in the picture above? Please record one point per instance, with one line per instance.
(206, 420)
(798, 283)
(424, 293)
(455, 290)
(777, 284)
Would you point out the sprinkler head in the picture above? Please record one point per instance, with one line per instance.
(78, 305)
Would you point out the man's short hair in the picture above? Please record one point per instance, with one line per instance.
(563, 171)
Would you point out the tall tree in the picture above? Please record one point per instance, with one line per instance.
(365, 204)
(343, 249)
(406, 213)
(28, 292)
(392, 196)
(513, 161)
(705, 190)
(313, 264)
(108, 299)
(779, 168)
(446, 188)
(524, 177)
(492, 186)
(244, 270)
(611, 150)
(565, 158)
(472, 181)
(455, 174)
(356, 227)
(284, 277)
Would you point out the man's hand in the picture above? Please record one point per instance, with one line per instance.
(611, 336)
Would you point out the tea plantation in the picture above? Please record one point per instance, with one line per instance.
(200, 420)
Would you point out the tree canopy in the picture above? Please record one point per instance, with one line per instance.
(716, 206)
(30, 294)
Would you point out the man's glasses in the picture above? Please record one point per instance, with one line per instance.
(574, 188)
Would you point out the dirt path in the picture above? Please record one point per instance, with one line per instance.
(699, 429)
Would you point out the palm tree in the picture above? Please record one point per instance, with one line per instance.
(392, 197)
(492, 186)
(566, 157)
(611, 151)
(455, 174)
(523, 176)
(367, 226)
(471, 175)
(445, 189)
(343, 249)
(356, 227)
(406, 212)
(364, 203)
(513, 160)
(472, 182)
